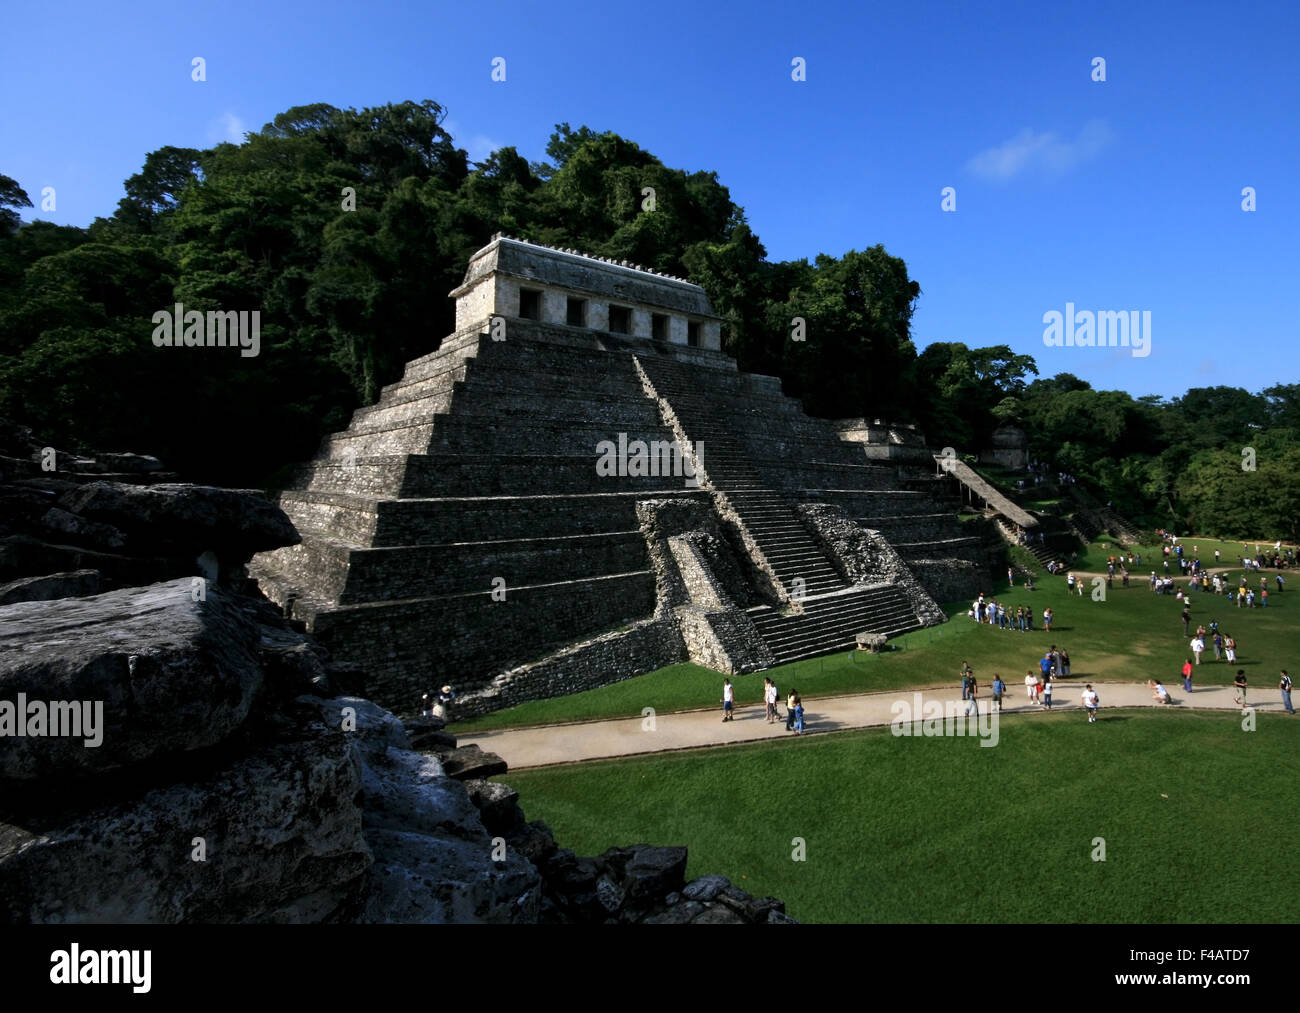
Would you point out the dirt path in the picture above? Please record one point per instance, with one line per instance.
(592, 740)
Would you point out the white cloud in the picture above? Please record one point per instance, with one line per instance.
(477, 146)
(480, 146)
(1031, 151)
(226, 127)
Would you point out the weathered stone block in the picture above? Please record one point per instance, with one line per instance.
(165, 673)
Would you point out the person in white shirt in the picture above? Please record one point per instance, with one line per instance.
(1031, 686)
(769, 698)
(1090, 701)
(1161, 695)
(1197, 645)
(728, 699)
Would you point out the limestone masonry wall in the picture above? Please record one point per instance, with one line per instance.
(599, 661)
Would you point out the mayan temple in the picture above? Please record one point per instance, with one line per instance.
(579, 486)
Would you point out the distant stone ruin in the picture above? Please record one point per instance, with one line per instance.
(472, 527)
(1008, 447)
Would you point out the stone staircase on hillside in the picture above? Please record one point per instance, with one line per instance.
(1100, 519)
(764, 514)
(1042, 553)
(808, 460)
(832, 612)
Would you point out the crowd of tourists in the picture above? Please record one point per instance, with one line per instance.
(1264, 557)
(1054, 665)
(1041, 471)
(1007, 617)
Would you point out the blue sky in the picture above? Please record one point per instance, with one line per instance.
(1115, 195)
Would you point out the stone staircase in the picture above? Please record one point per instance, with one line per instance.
(765, 515)
(832, 621)
(1042, 553)
(1099, 519)
(830, 613)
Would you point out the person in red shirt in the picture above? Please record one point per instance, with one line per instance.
(1187, 675)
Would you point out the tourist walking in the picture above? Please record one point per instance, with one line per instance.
(769, 699)
(1230, 649)
(1285, 686)
(442, 706)
(1047, 693)
(1048, 616)
(1090, 703)
(973, 706)
(798, 714)
(1187, 675)
(965, 679)
(1240, 683)
(1197, 645)
(1000, 687)
(728, 700)
(1065, 663)
(1031, 685)
(789, 710)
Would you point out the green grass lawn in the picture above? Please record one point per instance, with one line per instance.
(1197, 817)
(1131, 635)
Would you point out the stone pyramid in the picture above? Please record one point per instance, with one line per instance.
(579, 486)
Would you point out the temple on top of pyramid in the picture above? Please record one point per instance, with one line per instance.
(463, 530)
(514, 278)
